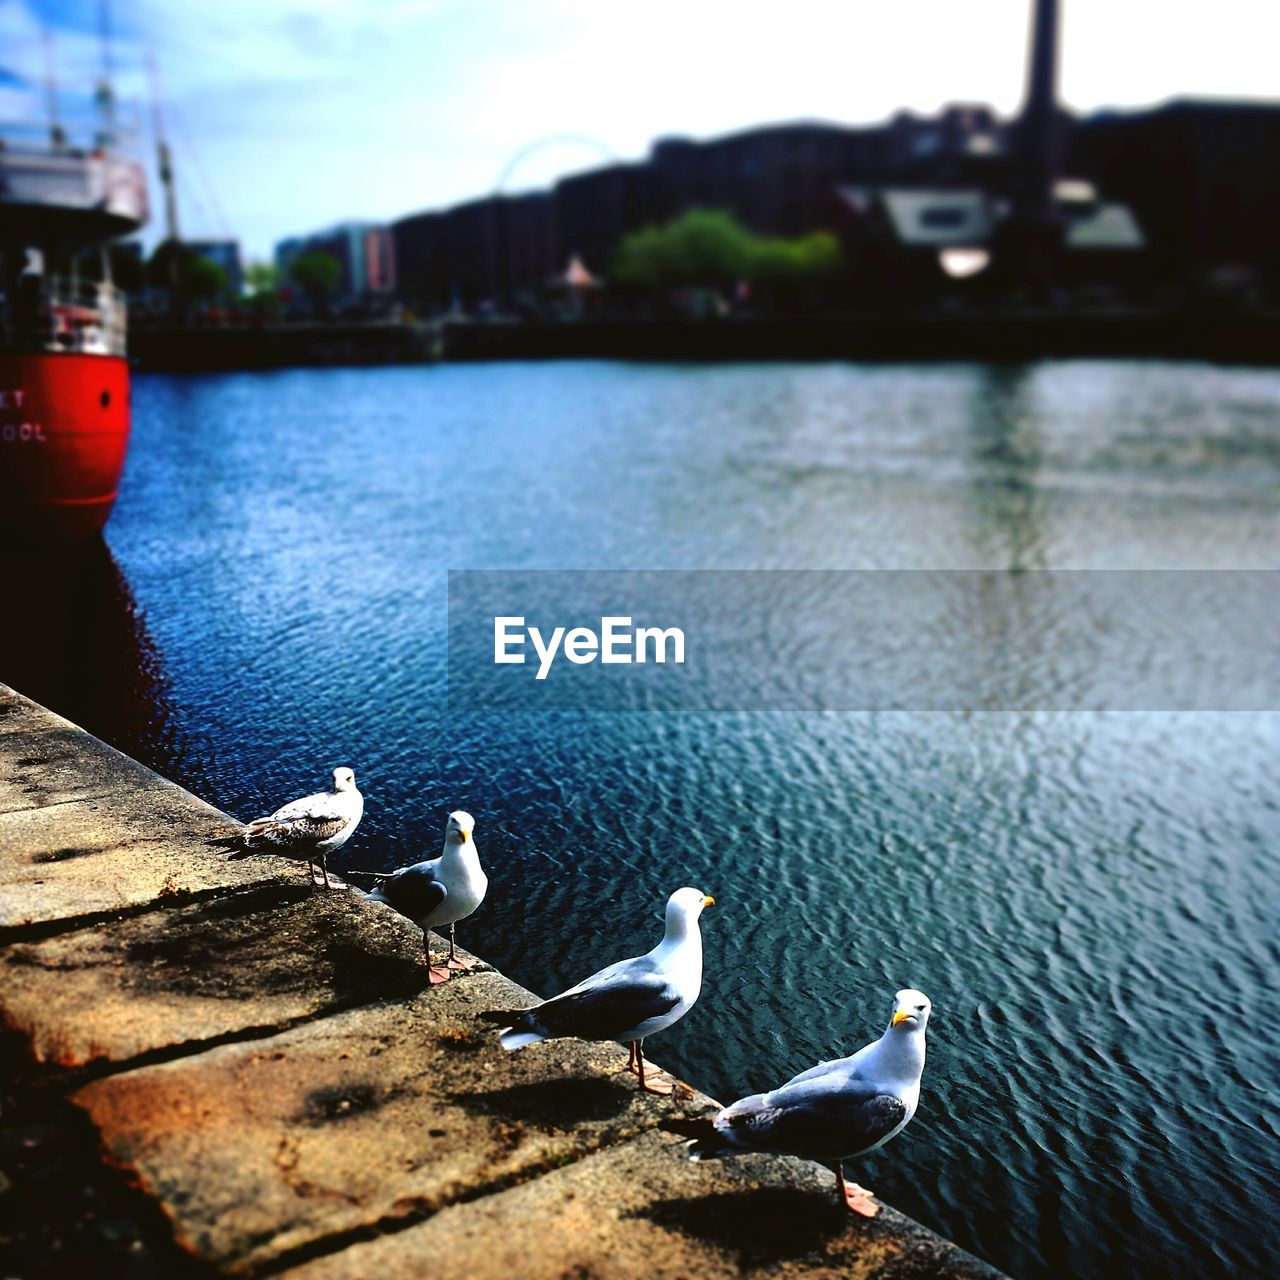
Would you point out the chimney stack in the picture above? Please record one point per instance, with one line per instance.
(1038, 126)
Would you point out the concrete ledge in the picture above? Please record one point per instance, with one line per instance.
(641, 1210)
(177, 976)
(282, 1093)
(361, 1118)
(86, 831)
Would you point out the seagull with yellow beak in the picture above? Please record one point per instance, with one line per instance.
(630, 1000)
(440, 891)
(835, 1111)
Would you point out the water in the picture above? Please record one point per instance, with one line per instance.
(1089, 899)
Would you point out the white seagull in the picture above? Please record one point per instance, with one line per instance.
(440, 891)
(629, 1000)
(836, 1110)
(310, 829)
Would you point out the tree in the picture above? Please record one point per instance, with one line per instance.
(702, 247)
(189, 277)
(710, 248)
(806, 260)
(318, 275)
(263, 281)
(261, 278)
(204, 280)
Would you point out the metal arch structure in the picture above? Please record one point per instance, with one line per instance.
(552, 139)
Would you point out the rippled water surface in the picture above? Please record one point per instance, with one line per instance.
(1090, 899)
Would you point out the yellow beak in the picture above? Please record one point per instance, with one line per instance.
(708, 902)
(900, 1015)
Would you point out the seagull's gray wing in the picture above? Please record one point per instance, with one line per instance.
(614, 1001)
(822, 1115)
(815, 1073)
(414, 892)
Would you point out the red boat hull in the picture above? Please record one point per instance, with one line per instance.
(64, 429)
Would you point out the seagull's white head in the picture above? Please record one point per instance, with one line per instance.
(344, 780)
(688, 904)
(459, 827)
(910, 1011)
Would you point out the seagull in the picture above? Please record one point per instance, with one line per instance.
(310, 829)
(440, 891)
(629, 1000)
(834, 1111)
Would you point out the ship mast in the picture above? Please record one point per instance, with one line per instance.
(164, 157)
(106, 94)
(57, 135)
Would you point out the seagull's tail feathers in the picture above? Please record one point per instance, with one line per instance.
(253, 832)
(730, 1132)
(522, 1031)
(379, 879)
(705, 1142)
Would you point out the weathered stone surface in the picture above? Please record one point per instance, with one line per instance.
(401, 1116)
(398, 1109)
(86, 857)
(259, 959)
(86, 830)
(47, 761)
(641, 1210)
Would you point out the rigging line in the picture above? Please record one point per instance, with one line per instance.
(178, 126)
(191, 195)
(211, 211)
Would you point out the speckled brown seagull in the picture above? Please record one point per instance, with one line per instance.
(310, 829)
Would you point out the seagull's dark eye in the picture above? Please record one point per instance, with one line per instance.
(919, 1008)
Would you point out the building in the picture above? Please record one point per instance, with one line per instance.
(364, 251)
(1191, 188)
(776, 180)
(1203, 180)
(909, 245)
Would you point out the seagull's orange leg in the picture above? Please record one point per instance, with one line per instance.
(856, 1199)
(662, 1087)
(453, 961)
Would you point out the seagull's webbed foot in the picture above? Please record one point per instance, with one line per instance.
(652, 1081)
(436, 974)
(856, 1199)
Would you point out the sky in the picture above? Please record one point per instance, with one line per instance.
(286, 116)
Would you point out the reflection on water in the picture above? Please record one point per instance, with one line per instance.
(75, 640)
(1090, 900)
(1006, 458)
